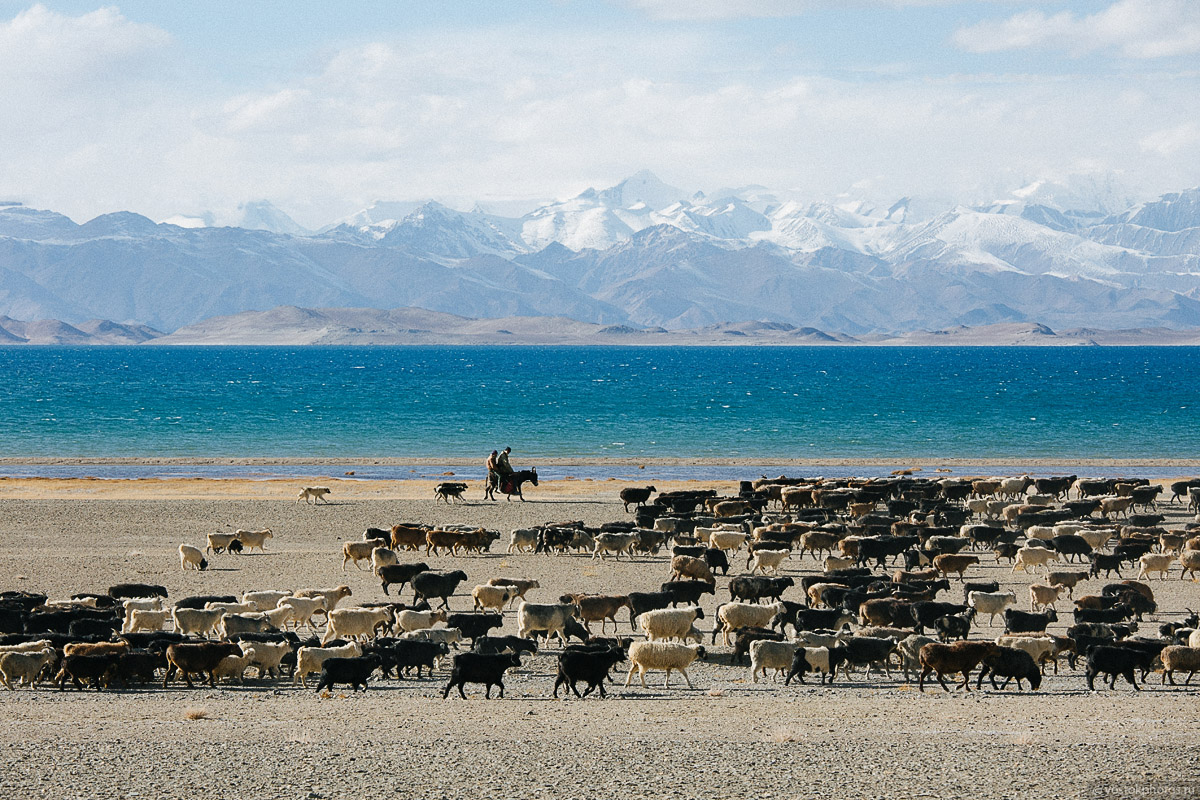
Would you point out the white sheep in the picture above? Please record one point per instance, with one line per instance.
(267, 656)
(351, 623)
(1043, 532)
(332, 596)
(909, 651)
(264, 600)
(231, 608)
(1190, 561)
(310, 659)
(765, 655)
(199, 621)
(991, 603)
(192, 557)
(493, 597)
(834, 563)
(144, 620)
(734, 616)
(142, 604)
(1097, 539)
(1156, 562)
(220, 541)
(1034, 557)
(646, 656)
(768, 559)
(408, 620)
(447, 636)
(253, 539)
(383, 557)
(282, 616)
(727, 540)
(814, 639)
(669, 623)
(234, 624)
(1039, 647)
(25, 666)
(234, 667)
(522, 540)
(304, 608)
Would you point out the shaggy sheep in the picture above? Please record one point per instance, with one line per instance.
(28, 666)
(646, 656)
(521, 586)
(493, 597)
(253, 539)
(265, 600)
(1178, 658)
(409, 620)
(1034, 557)
(1156, 562)
(735, 615)
(332, 596)
(310, 659)
(197, 621)
(669, 623)
(351, 623)
(768, 559)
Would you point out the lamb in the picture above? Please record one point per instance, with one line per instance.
(253, 539)
(669, 623)
(198, 621)
(1179, 658)
(735, 615)
(960, 657)
(351, 623)
(1042, 596)
(222, 541)
(192, 558)
(635, 495)
(409, 620)
(766, 654)
(991, 603)
(28, 666)
(1034, 557)
(1156, 562)
(310, 659)
(234, 666)
(769, 559)
(523, 540)
(646, 656)
(447, 636)
(356, 552)
(332, 596)
(493, 597)
(519, 585)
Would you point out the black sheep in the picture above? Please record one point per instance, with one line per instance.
(687, 592)
(641, 602)
(582, 665)
(354, 671)
(400, 573)
(1009, 663)
(134, 590)
(475, 625)
(485, 668)
(500, 644)
(637, 496)
(1113, 662)
(440, 585)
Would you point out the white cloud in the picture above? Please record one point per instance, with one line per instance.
(43, 45)
(1171, 141)
(743, 9)
(1139, 29)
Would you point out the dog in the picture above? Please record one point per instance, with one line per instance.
(316, 493)
(447, 490)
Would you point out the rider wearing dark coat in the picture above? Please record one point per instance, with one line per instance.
(503, 469)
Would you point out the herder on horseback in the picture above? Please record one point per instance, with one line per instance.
(502, 477)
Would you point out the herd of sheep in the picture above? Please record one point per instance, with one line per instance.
(840, 575)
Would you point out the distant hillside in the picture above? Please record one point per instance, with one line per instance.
(638, 255)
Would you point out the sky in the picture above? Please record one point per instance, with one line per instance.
(323, 108)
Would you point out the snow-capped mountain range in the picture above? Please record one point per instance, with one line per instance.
(642, 254)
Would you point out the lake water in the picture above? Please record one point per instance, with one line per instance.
(457, 403)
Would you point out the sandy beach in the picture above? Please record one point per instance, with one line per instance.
(728, 737)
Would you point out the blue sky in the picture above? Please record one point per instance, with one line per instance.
(168, 108)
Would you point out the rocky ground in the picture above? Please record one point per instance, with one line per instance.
(728, 737)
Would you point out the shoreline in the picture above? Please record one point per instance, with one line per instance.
(925, 463)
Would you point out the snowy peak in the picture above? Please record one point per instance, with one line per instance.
(435, 230)
(642, 189)
(261, 215)
(1171, 212)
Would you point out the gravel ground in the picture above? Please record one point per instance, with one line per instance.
(726, 738)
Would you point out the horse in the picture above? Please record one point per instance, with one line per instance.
(511, 484)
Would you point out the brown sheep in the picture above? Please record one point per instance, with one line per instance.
(593, 607)
(1067, 579)
(693, 568)
(960, 657)
(410, 537)
(949, 562)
